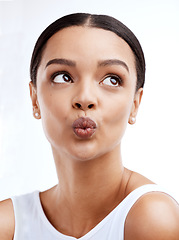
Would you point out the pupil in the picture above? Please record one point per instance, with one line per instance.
(113, 81)
(65, 77)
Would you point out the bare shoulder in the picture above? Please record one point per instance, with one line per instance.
(154, 216)
(7, 221)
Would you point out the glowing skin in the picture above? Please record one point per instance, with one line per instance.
(85, 97)
(86, 73)
(97, 91)
(87, 51)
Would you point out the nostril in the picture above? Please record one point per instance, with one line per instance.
(90, 105)
(83, 107)
(78, 105)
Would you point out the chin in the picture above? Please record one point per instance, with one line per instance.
(83, 156)
(87, 154)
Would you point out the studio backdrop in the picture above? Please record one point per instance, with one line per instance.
(150, 147)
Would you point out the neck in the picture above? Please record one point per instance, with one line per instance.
(89, 182)
(87, 192)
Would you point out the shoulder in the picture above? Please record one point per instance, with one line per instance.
(7, 221)
(154, 216)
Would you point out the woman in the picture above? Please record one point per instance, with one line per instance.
(87, 75)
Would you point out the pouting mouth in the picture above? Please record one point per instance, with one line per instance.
(84, 123)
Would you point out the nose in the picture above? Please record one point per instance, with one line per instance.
(85, 98)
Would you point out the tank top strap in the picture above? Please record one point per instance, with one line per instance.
(131, 199)
(125, 206)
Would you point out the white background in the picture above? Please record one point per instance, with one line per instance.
(150, 147)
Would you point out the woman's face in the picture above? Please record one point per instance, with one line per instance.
(86, 73)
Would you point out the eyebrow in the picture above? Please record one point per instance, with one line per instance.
(61, 61)
(109, 62)
(102, 63)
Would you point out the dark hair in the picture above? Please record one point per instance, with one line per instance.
(96, 21)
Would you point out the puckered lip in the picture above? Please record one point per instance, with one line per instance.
(84, 123)
(84, 127)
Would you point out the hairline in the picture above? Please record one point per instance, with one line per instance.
(87, 24)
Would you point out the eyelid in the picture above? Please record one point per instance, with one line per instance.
(115, 76)
(112, 75)
(59, 73)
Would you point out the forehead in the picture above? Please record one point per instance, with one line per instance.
(89, 44)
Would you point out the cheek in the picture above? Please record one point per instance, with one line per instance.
(54, 113)
(116, 118)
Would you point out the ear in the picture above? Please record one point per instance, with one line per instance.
(135, 106)
(35, 104)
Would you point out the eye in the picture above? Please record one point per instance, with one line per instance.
(61, 77)
(113, 81)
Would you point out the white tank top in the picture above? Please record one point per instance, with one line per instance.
(32, 224)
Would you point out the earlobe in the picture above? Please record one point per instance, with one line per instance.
(35, 105)
(135, 106)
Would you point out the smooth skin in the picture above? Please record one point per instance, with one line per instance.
(88, 72)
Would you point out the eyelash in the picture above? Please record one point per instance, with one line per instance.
(60, 73)
(113, 76)
(116, 77)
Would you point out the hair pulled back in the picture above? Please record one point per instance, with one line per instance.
(96, 21)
